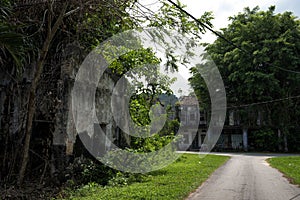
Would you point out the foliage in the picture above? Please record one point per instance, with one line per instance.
(85, 170)
(86, 173)
(200, 87)
(145, 106)
(259, 65)
(294, 139)
(169, 183)
(11, 42)
(48, 41)
(157, 138)
(171, 17)
(264, 140)
(290, 166)
(42, 39)
(123, 179)
(103, 21)
(134, 59)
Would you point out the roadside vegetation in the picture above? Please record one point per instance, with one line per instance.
(39, 56)
(173, 182)
(260, 72)
(42, 45)
(290, 166)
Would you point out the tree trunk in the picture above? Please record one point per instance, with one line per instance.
(285, 142)
(32, 95)
(245, 139)
(279, 140)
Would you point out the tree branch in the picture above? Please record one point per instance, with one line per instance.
(32, 95)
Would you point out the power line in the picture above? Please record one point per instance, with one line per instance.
(151, 4)
(264, 102)
(225, 39)
(204, 25)
(240, 48)
(287, 70)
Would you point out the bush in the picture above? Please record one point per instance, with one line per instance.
(84, 170)
(264, 140)
(122, 179)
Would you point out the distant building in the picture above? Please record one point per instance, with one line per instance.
(193, 123)
(235, 133)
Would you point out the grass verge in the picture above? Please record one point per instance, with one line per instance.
(289, 166)
(175, 181)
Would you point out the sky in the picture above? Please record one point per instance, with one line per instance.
(222, 9)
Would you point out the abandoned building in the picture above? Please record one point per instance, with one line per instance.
(235, 134)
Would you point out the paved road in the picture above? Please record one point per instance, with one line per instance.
(246, 177)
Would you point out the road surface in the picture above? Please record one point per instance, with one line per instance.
(246, 177)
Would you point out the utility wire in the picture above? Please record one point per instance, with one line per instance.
(243, 50)
(287, 70)
(264, 102)
(222, 37)
(205, 26)
(151, 4)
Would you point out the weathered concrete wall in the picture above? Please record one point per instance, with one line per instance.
(65, 131)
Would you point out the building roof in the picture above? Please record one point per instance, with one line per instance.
(189, 100)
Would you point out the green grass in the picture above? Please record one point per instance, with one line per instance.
(289, 166)
(173, 182)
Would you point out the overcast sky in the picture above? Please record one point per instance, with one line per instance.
(222, 9)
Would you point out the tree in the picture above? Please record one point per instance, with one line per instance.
(48, 36)
(46, 31)
(261, 66)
